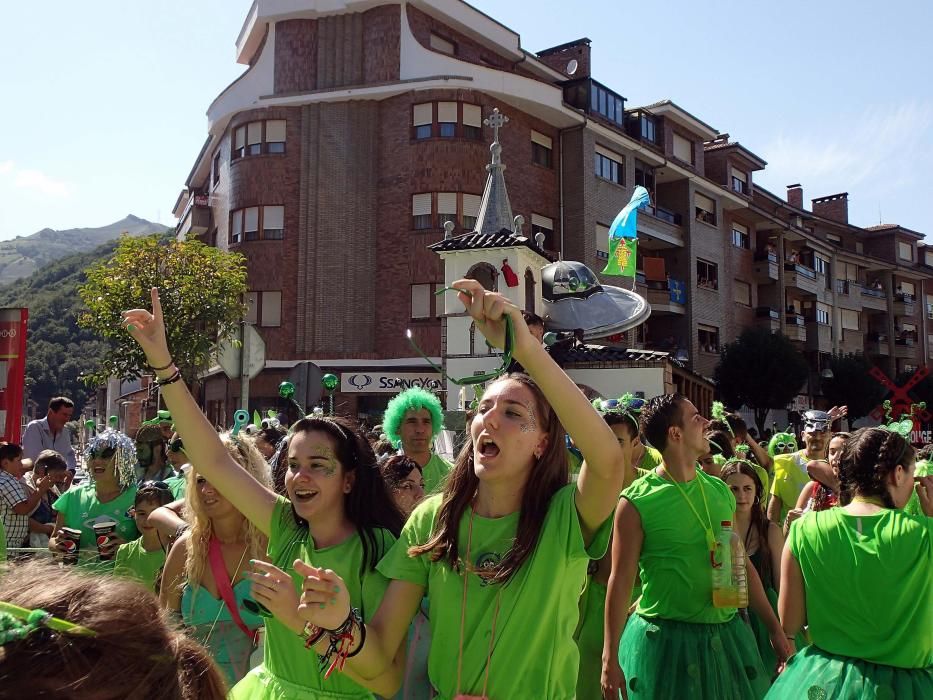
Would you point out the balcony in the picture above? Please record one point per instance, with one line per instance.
(877, 344)
(848, 295)
(801, 277)
(819, 337)
(766, 268)
(766, 317)
(906, 348)
(903, 305)
(665, 301)
(852, 341)
(795, 329)
(196, 220)
(663, 225)
(874, 299)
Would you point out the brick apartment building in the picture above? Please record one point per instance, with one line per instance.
(356, 134)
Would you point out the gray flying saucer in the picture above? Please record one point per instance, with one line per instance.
(574, 298)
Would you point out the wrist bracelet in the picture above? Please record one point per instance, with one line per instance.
(176, 375)
(159, 369)
(311, 634)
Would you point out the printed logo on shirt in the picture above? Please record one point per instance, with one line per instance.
(487, 560)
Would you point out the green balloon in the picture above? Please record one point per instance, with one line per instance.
(286, 390)
(329, 381)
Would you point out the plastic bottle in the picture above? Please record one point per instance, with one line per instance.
(730, 584)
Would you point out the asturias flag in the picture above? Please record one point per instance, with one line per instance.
(623, 236)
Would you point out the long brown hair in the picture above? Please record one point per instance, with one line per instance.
(759, 521)
(868, 457)
(546, 478)
(135, 653)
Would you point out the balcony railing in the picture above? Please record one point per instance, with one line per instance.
(872, 292)
(769, 256)
(803, 270)
(663, 214)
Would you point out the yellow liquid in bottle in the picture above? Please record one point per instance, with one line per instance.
(725, 598)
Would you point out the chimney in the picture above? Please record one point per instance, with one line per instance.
(572, 59)
(795, 195)
(835, 207)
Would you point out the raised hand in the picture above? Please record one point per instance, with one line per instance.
(148, 329)
(325, 601)
(925, 493)
(488, 310)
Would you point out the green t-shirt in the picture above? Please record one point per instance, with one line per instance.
(133, 561)
(868, 582)
(674, 569)
(285, 655)
(81, 509)
(177, 485)
(913, 507)
(2, 543)
(790, 476)
(650, 459)
(435, 472)
(534, 655)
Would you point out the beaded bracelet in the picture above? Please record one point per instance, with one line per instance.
(341, 639)
(176, 375)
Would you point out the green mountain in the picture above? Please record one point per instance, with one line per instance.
(57, 350)
(24, 255)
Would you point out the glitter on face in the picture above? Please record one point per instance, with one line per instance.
(532, 425)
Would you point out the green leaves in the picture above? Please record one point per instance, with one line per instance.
(201, 289)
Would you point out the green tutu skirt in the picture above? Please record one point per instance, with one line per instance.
(814, 674)
(671, 660)
(260, 684)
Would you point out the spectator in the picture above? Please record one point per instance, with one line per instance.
(150, 453)
(51, 433)
(175, 453)
(15, 502)
(42, 519)
(267, 441)
(142, 559)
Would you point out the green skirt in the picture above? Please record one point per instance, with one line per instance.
(261, 684)
(814, 674)
(669, 659)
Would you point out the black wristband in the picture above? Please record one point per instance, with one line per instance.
(159, 369)
(170, 380)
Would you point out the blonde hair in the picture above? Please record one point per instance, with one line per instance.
(244, 452)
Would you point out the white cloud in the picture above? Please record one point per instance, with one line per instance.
(881, 153)
(34, 180)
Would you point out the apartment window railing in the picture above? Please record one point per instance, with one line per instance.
(800, 270)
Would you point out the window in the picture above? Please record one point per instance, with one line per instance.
(930, 307)
(422, 118)
(820, 264)
(607, 103)
(610, 166)
(530, 284)
(740, 237)
(708, 337)
(742, 292)
(215, 169)
(542, 224)
(236, 226)
(256, 138)
(906, 289)
(739, 181)
(704, 208)
(644, 175)
(707, 274)
(446, 208)
(275, 136)
(273, 223)
(602, 241)
(822, 314)
(421, 211)
(251, 223)
(928, 257)
(486, 275)
(850, 319)
(421, 300)
(447, 119)
(439, 43)
(541, 148)
(471, 204)
(905, 251)
(683, 148)
(834, 239)
(264, 309)
(472, 121)
(648, 129)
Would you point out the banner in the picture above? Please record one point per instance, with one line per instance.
(12, 371)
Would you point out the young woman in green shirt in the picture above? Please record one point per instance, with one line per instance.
(338, 512)
(859, 576)
(502, 553)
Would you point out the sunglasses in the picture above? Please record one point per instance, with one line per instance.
(158, 485)
(176, 445)
(476, 378)
(256, 608)
(103, 453)
(782, 445)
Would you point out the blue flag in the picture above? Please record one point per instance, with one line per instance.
(623, 235)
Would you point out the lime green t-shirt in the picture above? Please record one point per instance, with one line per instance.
(177, 485)
(533, 651)
(790, 476)
(913, 507)
(81, 509)
(650, 459)
(285, 655)
(868, 582)
(133, 561)
(674, 569)
(2, 543)
(435, 472)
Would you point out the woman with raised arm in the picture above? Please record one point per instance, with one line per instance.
(337, 513)
(502, 553)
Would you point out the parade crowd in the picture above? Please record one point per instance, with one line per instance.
(576, 548)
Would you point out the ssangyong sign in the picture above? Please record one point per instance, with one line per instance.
(388, 382)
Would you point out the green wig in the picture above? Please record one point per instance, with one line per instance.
(413, 399)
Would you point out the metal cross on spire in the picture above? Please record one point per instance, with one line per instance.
(496, 120)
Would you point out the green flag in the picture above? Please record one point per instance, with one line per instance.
(621, 257)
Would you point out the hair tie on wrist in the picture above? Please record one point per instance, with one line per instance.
(159, 369)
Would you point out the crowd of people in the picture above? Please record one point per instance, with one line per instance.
(618, 547)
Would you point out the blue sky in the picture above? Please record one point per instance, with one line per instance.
(104, 102)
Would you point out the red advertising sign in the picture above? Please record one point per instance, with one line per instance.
(12, 371)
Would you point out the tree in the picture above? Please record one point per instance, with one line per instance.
(761, 370)
(852, 385)
(201, 289)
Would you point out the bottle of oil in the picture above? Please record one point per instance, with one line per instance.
(730, 583)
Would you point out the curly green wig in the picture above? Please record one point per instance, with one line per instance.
(413, 399)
